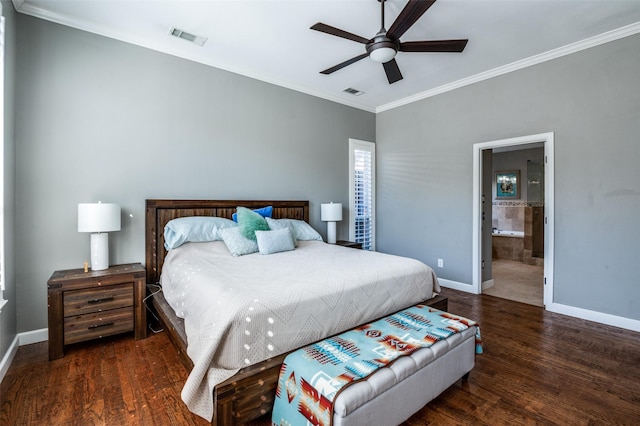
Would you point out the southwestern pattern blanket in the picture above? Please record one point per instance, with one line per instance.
(312, 377)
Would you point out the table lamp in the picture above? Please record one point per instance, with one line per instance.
(99, 218)
(331, 213)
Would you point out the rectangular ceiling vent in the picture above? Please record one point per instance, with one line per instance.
(176, 32)
(352, 91)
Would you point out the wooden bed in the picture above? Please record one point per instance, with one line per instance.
(250, 393)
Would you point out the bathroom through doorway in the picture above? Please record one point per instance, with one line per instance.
(517, 224)
(513, 208)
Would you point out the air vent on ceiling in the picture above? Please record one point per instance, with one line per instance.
(352, 91)
(176, 32)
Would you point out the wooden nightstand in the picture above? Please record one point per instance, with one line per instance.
(90, 305)
(349, 244)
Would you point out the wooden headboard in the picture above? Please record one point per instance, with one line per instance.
(159, 212)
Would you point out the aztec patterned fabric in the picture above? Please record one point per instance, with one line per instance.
(239, 311)
(312, 377)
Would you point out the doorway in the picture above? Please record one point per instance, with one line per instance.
(482, 218)
(513, 189)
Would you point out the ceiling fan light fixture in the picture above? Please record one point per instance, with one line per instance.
(382, 49)
(382, 54)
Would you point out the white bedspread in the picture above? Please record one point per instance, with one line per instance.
(242, 310)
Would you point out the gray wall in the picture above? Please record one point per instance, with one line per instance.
(8, 326)
(103, 120)
(591, 101)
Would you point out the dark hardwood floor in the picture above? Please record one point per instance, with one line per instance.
(538, 368)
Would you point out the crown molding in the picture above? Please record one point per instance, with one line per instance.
(603, 38)
(17, 4)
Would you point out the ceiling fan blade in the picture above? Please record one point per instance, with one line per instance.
(393, 71)
(344, 64)
(433, 46)
(324, 28)
(413, 10)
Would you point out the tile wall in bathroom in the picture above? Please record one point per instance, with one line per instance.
(518, 216)
(508, 215)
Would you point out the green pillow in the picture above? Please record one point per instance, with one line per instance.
(249, 222)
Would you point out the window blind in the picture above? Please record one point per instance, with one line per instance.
(362, 194)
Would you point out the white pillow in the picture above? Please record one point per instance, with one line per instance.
(236, 243)
(301, 229)
(194, 229)
(282, 224)
(275, 241)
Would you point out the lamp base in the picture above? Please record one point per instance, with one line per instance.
(99, 251)
(331, 232)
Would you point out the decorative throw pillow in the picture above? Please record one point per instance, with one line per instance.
(302, 230)
(282, 224)
(194, 229)
(249, 222)
(274, 241)
(236, 243)
(264, 212)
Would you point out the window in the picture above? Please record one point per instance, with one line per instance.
(2, 301)
(362, 207)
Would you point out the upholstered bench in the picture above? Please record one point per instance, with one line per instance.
(393, 394)
(379, 373)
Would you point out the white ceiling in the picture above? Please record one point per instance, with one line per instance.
(270, 40)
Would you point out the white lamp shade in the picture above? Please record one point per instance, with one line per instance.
(331, 212)
(98, 217)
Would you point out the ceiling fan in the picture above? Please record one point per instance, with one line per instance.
(385, 44)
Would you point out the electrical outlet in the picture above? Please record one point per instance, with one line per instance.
(440, 263)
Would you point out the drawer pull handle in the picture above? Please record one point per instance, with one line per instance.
(104, 299)
(106, 324)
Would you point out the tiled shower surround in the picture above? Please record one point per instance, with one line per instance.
(524, 217)
(508, 215)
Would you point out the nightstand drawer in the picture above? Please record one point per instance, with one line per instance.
(77, 302)
(95, 325)
(80, 282)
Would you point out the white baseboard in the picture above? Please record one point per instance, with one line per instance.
(8, 357)
(602, 318)
(487, 284)
(599, 317)
(21, 339)
(34, 336)
(456, 285)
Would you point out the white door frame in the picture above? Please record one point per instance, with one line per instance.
(547, 139)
